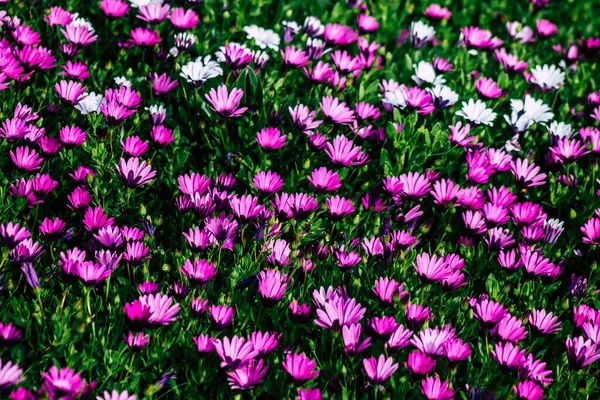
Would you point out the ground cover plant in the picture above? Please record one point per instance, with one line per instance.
(299, 199)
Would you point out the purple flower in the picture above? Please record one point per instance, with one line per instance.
(271, 285)
(300, 367)
(247, 376)
(114, 8)
(183, 19)
(65, 384)
(508, 355)
(270, 139)
(351, 336)
(234, 352)
(544, 323)
(9, 335)
(198, 272)
(339, 207)
(12, 234)
(136, 342)
(135, 173)
(26, 159)
(336, 111)
(419, 364)
(204, 343)
(379, 370)
(10, 374)
(294, 58)
(433, 388)
(581, 352)
(226, 104)
(267, 182)
(220, 316)
(431, 268)
(343, 152)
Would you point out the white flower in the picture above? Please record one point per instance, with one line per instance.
(477, 113)
(292, 26)
(526, 113)
(199, 71)
(185, 40)
(395, 98)
(553, 228)
(421, 34)
(313, 26)
(141, 3)
(90, 103)
(424, 72)
(156, 109)
(443, 96)
(548, 77)
(260, 58)
(80, 21)
(560, 130)
(263, 37)
(513, 144)
(122, 81)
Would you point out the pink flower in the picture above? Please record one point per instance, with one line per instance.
(339, 207)
(270, 139)
(272, 285)
(343, 152)
(26, 159)
(367, 23)
(336, 111)
(339, 35)
(324, 180)
(234, 352)
(226, 104)
(294, 58)
(267, 182)
(114, 8)
(163, 84)
(144, 37)
(154, 13)
(436, 13)
(433, 388)
(545, 28)
(487, 88)
(527, 175)
(379, 370)
(300, 367)
(79, 35)
(247, 376)
(70, 92)
(183, 19)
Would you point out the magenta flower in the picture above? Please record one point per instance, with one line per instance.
(75, 70)
(487, 88)
(10, 374)
(339, 313)
(591, 231)
(351, 336)
(72, 136)
(234, 55)
(245, 208)
(280, 253)
(234, 352)
(294, 58)
(339, 35)
(220, 316)
(336, 111)
(431, 341)
(324, 180)
(247, 376)
(528, 390)
(581, 352)
(510, 329)
(9, 335)
(379, 370)
(339, 207)
(264, 343)
(136, 342)
(508, 355)
(319, 73)
(163, 84)
(183, 19)
(419, 364)
(144, 37)
(432, 268)
(79, 35)
(271, 285)
(527, 175)
(567, 151)
(26, 159)
(204, 343)
(65, 384)
(154, 13)
(198, 272)
(300, 367)
(444, 191)
(510, 62)
(433, 388)
(270, 139)
(303, 118)
(114, 8)
(436, 13)
(135, 173)
(58, 16)
(343, 152)
(460, 135)
(267, 182)
(545, 28)
(474, 37)
(226, 104)
(544, 323)
(345, 63)
(70, 92)
(161, 136)
(414, 185)
(162, 311)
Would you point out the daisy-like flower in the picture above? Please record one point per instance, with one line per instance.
(545, 323)
(263, 37)
(379, 370)
(337, 111)
(10, 374)
(425, 73)
(271, 139)
(527, 175)
(226, 104)
(421, 34)
(300, 367)
(442, 96)
(247, 376)
(547, 77)
(477, 113)
(527, 112)
(343, 152)
(135, 173)
(199, 71)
